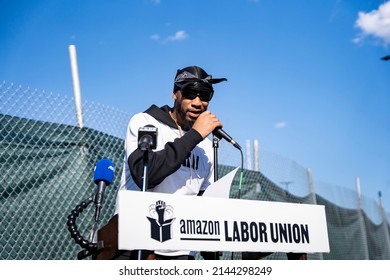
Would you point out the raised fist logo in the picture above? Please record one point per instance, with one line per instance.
(161, 218)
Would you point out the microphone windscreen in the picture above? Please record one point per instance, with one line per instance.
(104, 171)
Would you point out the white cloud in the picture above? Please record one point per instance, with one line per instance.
(179, 36)
(154, 37)
(375, 23)
(281, 125)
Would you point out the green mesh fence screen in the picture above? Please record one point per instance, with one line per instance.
(46, 170)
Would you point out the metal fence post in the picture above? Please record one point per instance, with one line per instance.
(361, 219)
(386, 224)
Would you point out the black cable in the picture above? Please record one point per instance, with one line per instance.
(240, 180)
(241, 175)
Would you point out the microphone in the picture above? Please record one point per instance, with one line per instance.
(147, 137)
(103, 176)
(220, 133)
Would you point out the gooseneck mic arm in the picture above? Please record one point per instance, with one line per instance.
(103, 176)
(90, 248)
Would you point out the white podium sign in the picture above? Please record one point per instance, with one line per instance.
(155, 221)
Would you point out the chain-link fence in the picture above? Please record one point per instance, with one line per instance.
(46, 170)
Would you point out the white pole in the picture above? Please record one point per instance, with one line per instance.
(256, 155)
(310, 179)
(359, 193)
(380, 199)
(248, 155)
(76, 85)
(256, 162)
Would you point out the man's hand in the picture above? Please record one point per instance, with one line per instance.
(206, 123)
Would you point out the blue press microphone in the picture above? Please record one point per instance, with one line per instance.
(103, 176)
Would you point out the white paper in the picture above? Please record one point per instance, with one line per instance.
(221, 188)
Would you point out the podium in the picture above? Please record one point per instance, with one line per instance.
(156, 221)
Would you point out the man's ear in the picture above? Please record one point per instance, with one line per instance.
(174, 95)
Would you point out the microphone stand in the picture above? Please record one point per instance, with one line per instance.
(145, 144)
(145, 181)
(213, 255)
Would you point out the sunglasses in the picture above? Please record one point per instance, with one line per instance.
(191, 90)
(203, 96)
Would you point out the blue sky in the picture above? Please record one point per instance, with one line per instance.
(305, 78)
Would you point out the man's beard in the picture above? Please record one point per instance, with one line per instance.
(186, 123)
